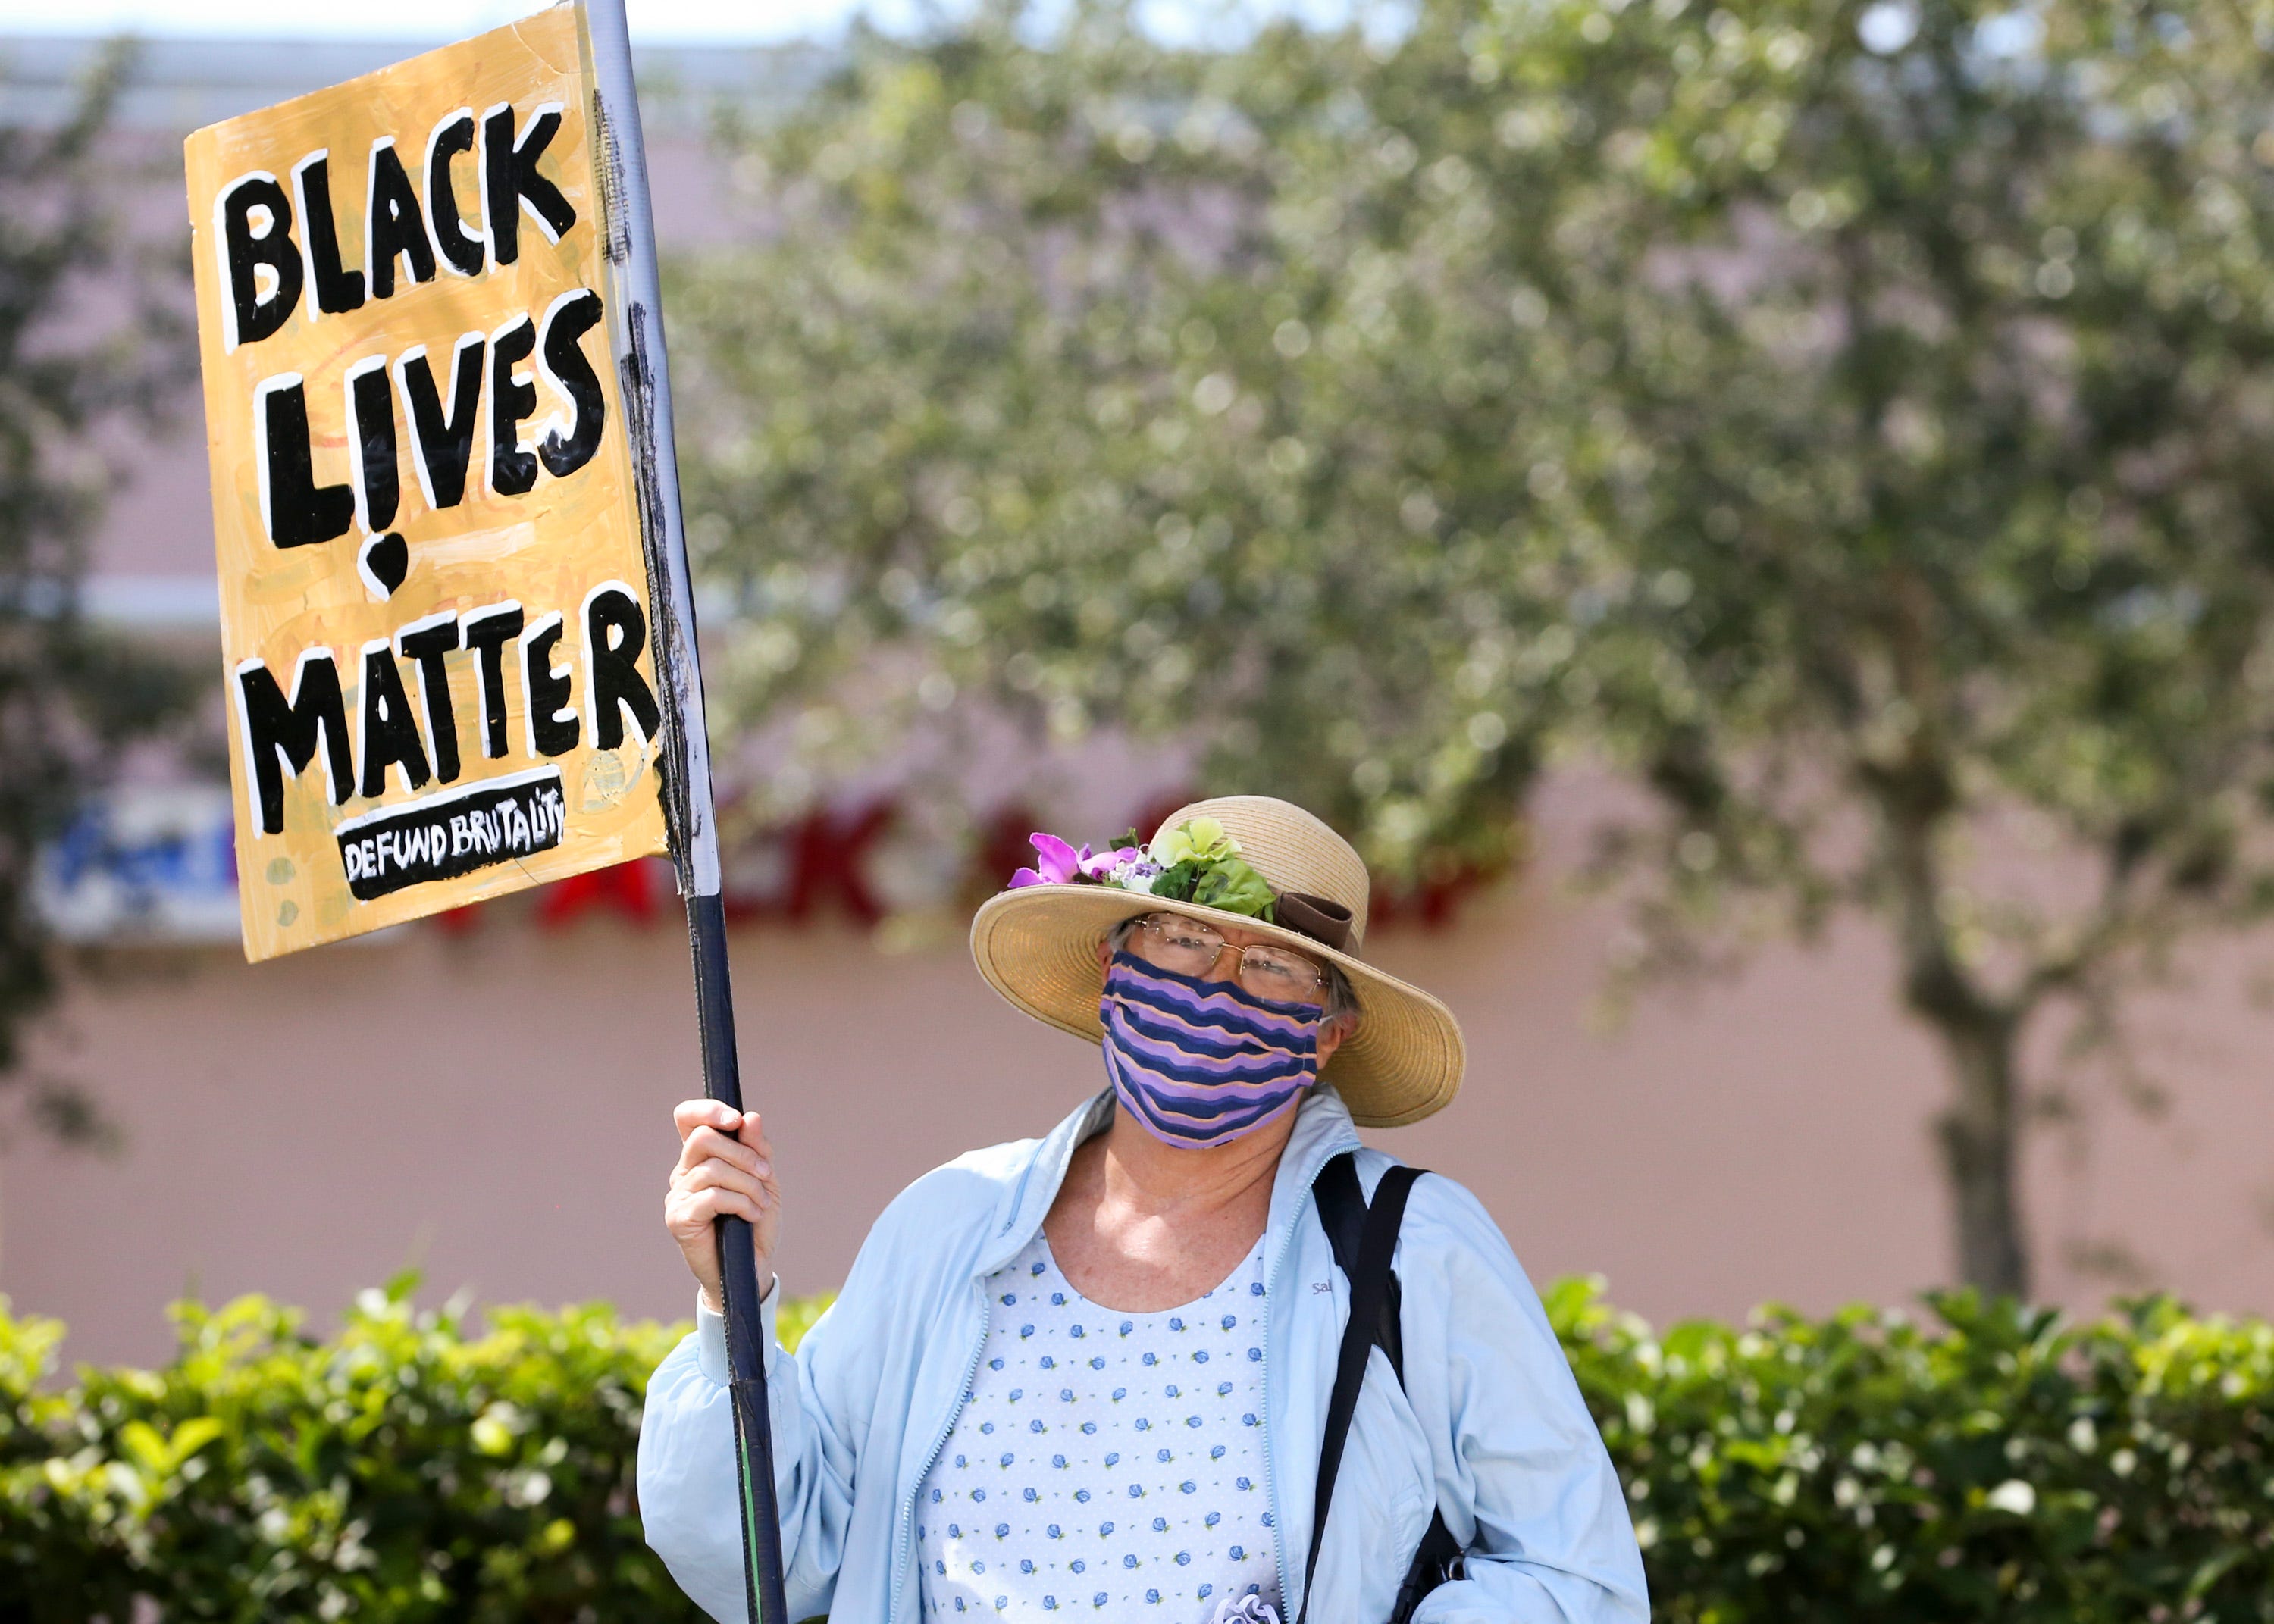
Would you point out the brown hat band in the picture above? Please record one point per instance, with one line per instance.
(1315, 917)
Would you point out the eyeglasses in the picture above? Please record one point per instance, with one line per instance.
(1190, 948)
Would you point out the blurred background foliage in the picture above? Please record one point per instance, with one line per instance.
(94, 350)
(1992, 1464)
(1844, 422)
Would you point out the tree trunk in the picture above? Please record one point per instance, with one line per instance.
(1979, 1147)
(1978, 1033)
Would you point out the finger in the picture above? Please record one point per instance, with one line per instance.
(709, 1144)
(690, 1228)
(689, 1115)
(726, 1146)
(701, 1207)
(716, 1175)
(689, 1213)
(753, 1133)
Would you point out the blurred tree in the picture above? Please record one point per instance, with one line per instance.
(1062, 376)
(1846, 416)
(89, 343)
(1924, 368)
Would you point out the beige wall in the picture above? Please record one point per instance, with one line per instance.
(495, 1108)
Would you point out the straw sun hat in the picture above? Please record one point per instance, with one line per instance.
(1037, 946)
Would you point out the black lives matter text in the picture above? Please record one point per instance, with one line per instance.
(279, 249)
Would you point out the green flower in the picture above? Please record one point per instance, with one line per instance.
(1203, 839)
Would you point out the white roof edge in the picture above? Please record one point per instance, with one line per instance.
(182, 83)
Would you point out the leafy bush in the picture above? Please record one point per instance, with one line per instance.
(404, 1470)
(1999, 1465)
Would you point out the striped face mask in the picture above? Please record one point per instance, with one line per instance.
(1202, 1063)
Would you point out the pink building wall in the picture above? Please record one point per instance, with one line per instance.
(495, 1108)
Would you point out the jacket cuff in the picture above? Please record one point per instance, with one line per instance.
(710, 1335)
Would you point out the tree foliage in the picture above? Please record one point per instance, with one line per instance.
(91, 342)
(1845, 418)
(1931, 349)
(1063, 383)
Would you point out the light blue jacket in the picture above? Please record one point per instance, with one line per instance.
(1490, 1427)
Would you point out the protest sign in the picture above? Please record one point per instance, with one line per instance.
(456, 617)
(440, 653)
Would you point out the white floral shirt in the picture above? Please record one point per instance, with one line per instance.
(1105, 1463)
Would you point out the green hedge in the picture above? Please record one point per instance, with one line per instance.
(1996, 1464)
(1992, 1463)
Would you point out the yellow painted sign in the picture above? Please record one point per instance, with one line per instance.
(435, 618)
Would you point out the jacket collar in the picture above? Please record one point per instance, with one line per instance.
(1323, 1130)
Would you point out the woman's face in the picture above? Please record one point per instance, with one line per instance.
(1171, 940)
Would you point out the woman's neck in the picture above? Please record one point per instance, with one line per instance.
(1140, 1226)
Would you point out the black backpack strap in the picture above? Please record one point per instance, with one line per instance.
(1343, 1215)
(1437, 1560)
(1369, 1287)
(1342, 1209)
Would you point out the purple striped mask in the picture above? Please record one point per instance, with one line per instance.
(1202, 1063)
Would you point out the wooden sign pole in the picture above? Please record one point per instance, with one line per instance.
(645, 373)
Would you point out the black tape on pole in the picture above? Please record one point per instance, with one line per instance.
(745, 1363)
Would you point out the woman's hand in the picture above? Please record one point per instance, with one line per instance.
(726, 1170)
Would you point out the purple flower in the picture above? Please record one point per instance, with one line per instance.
(1102, 865)
(1061, 864)
(1130, 869)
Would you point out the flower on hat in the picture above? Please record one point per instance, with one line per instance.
(1203, 839)
(1129, 868)
(1196, 862)
(1056, 863)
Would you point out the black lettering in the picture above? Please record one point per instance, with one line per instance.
(331, 288)
(615, 631)
(448, 835)
(298, 511)
(552, 727)
(487, 632)
(444, 441)
(392, 225)
(510, 182)
(390, 735)
(572, 315)
(513, 472)
(243, 253)
(429, 642)
(274, 725)
(370, 441)
(462, 249)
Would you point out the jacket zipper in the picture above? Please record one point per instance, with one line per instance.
(909, 1507)
(1272, 1472)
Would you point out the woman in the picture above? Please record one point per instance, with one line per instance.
(1090, 1372)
